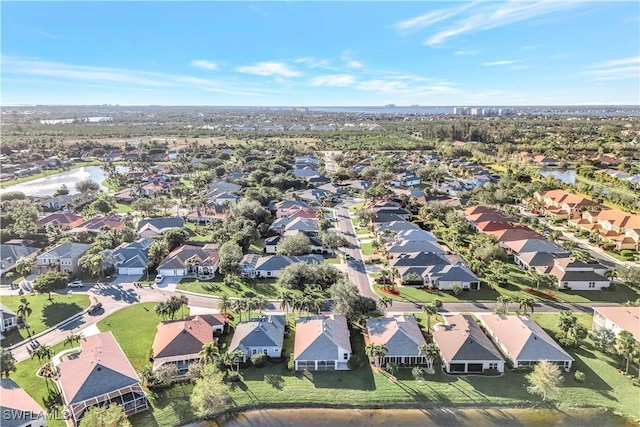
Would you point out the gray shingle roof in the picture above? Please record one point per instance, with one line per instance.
(319, 337)
(66, 250)
(401, 334)
(461, 339)
(278, 262)
(161, 223)
(265, 331)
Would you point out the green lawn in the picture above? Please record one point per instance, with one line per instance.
(257, 247)
(366, 248)
(135, 327)
(412, 294)
(45, 393)
(354, 208)
(267, 288)
(122, 208)
(332, 260)
(197, 233)
(45, 313)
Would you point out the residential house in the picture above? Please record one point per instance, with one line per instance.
(359, 186)
(9, 254)
(97, 223)
(305, 172)
(9, 319)
(289, 225)
(616, 226)
(66, 255)
(545, 161)
(523, 342)
(153, 227)
(18, 408)
(264, 334)
(316, 246)
(282, 208)
(296, 211)
(63, 220)
(322, 343)
(302, 161)
(179, 342)
(394, 227)
(312, 196)
(562, 204)
(99, 374)
(190, 260)
(618, 319)
(126, 195)
(414, 246)
(402, 336)
(446, 277)
(405, 179)
(579, 276)
(513, 234)
(415, 234)
(259, 267)
(464, 348)
(132, 258)
(533, 245)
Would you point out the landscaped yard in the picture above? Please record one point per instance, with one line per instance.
(366, 248)
(197, 234)
(45, 313)
(267, 288)
(413, 294)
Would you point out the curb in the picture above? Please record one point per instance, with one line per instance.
(46, 331)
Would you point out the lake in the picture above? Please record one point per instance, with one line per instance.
(445, 417)
(568, 176)
(43, 187)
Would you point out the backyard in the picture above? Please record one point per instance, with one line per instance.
(45, 313)
(276, 385)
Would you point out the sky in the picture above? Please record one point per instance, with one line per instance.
(301, 53)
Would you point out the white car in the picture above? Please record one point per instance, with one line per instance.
(76, 284)
(159, 278)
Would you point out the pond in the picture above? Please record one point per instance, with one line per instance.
(422, 417)
(568, 176)
(46, 186)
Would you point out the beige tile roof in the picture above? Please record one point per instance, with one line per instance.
(627, 318)
(183, 337)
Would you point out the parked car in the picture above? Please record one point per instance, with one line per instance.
(159, 278)
(94, 308)
(384, 280)
(75, 284)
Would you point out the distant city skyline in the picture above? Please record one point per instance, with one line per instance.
(515, 53)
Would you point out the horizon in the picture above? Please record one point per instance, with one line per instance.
(333, 54)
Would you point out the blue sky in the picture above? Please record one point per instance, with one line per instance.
(321, 53)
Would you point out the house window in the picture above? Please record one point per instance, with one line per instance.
(254, 351)
(565, 283)
(493, 365)
(345, 356)
(268, 273)
(265, 351)
(592, 284)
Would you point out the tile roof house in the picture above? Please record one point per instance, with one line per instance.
(179, 342)
(322, 343)
(132, 258)
(96, 223)
(99, 374)
(562, 204)
(402, 336)
(464, 348)
(67, 254)
(618, 319)
(9, 319)
(515, 233)
(263, 334)
(190, 260)
(577, 275)
(64, 220)
(618, 227)
(523, 341)
(18, 408)
(445, 277)
(153, 227)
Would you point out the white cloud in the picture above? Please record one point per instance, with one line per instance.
(491, 15)
(498, 63)
(207, 65)
(353, 64)
(615, 69)
(428, 19)
(336, 80)
(269, 69)
(312, 62)
(465, 52)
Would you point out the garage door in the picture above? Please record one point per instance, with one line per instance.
(474, 367)
(457, 367)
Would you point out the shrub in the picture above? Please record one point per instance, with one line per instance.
(233, 377)
(258, 359)
(579, 376)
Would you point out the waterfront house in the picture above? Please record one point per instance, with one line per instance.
(617, 319)
(17, 407)
(322, 343)
(264, 334)
(402, 336)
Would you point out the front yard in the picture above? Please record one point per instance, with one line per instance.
(45, 313)
(246, 288)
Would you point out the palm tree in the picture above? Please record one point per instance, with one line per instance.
(624, 346)
(23, 266)
(239, 306)
(43, 351)
(391, 368)
(504, 300)
(429, 309)
(525, 304)
(224, 305)
(430, 352)
(286, 299)
(385, 302)
(376, 352)
(209, 354)
(70, 339)
(23, 312)
(261, 303)
(183, 300)
(162, 309)
(418, 373)
(235, 357)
